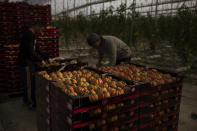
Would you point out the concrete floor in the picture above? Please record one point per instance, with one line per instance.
(188, 107)
(14, 116)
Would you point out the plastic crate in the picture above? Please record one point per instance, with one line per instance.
(156, 96)
(78, 102)
(11, 86)
(170, 125)
(54, 39)
(8, 81)
(11, 90)
(177, 82)
(13, 17)
(84, 126)
(81, 105)
(6, 76)
(153, 117)
(48, 45)
(77, 105)
(78, 108)
(83, 119)
(42, 97)
(43, 123)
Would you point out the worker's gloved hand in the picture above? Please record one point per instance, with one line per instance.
(43, 63)
(50, 60)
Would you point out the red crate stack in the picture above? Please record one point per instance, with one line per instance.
(10, 75)
(35, 13)
(43, 103)
(9, 42)
(43, 97)
(49, 41)
(143, 107)
(159, 103)
(59, 111)
(161, 106)
(14, 19)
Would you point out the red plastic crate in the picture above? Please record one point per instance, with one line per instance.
(50, 45)
(9, 90)
(12, 19)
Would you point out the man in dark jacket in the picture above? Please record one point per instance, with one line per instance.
(29, 55)
(116, 50)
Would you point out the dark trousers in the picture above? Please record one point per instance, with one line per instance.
(28, 84)
(127, 60)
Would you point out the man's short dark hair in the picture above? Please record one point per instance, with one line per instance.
(92, 38)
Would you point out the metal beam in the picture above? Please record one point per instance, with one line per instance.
(104, 1)
(174, 1)
(163, 3)
(156, 7)
(169, 9)
(86, 5)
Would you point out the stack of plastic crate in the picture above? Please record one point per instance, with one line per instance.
(161, 106)
(79, 113)
(49, 41)
(43, 104)
(15, 18)
(43, 98)
(10, 22)
(36, 14)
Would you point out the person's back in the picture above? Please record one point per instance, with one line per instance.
(123, 50)
(115, 48)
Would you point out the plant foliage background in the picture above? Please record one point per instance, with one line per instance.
(179, 29)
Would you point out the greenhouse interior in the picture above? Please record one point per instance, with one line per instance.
(98, 65)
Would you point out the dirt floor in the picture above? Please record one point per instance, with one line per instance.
(14, 116)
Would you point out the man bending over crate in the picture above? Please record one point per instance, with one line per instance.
(116, 50)
(29, 55)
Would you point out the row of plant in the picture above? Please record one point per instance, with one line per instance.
(179, 29)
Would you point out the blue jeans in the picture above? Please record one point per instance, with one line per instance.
(28, 84)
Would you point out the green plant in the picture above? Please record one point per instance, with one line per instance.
(180, 29)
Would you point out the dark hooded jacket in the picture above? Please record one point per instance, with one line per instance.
(29, 51)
